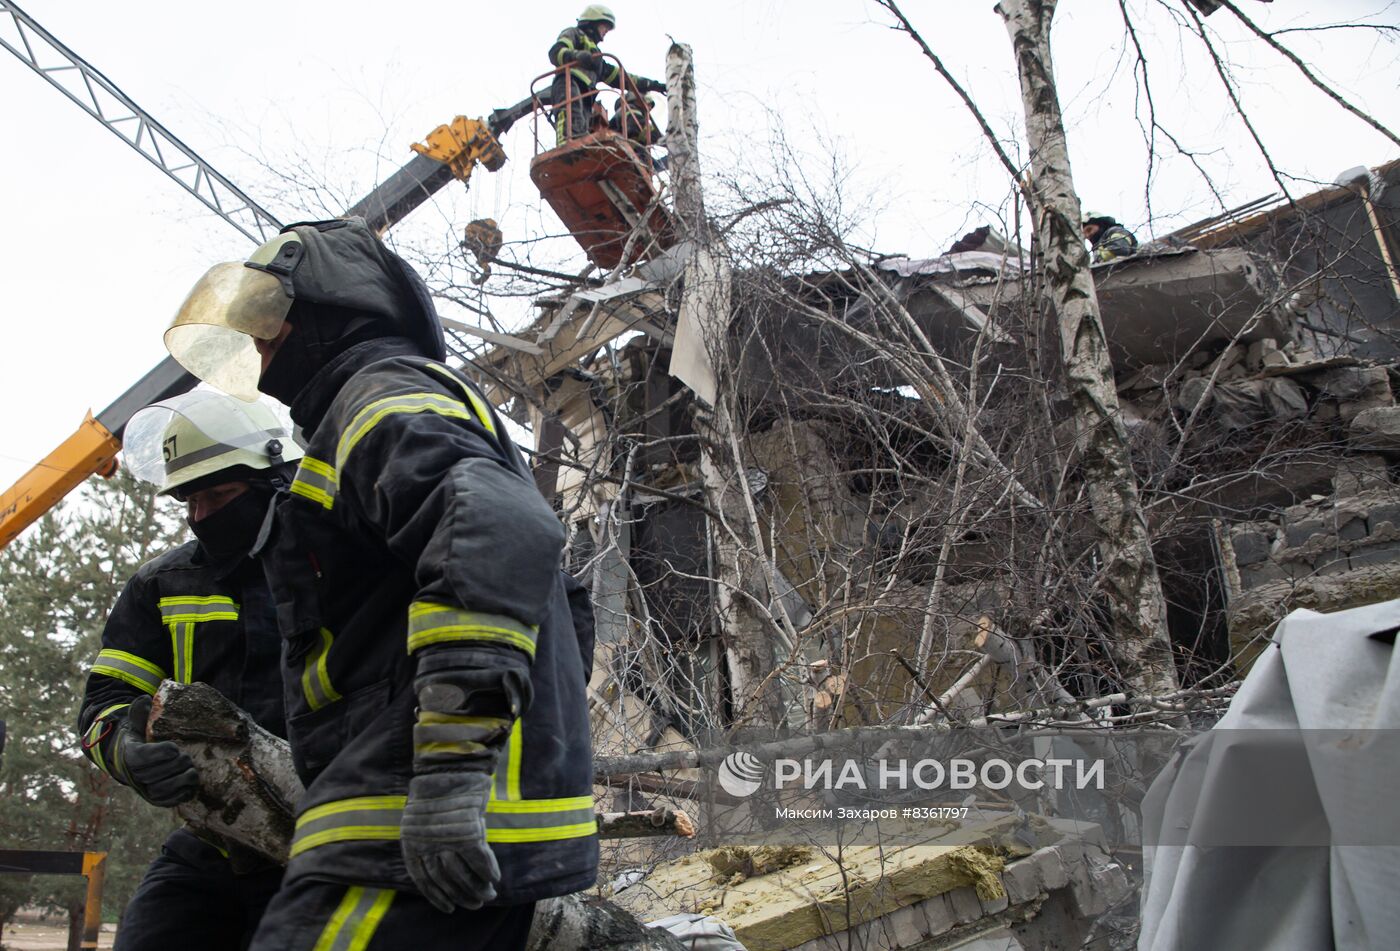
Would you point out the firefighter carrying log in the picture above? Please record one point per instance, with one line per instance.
(200, 612)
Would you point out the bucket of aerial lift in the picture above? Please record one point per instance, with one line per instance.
(600, 187)
(600, 190)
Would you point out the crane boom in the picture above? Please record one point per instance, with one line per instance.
(451, 152)
(100, 98)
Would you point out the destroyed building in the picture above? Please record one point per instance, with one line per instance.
(1252, 362)
(904, 460)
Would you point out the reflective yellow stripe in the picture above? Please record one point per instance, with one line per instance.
(199, 617)
(431, 623)
(338, 919)
(441, 736)
(514, 746)
(118, 769)
(376, 913)
(197, 600)
(93, 747)
(432, 718)
(185, 609)
(506, 779)
(318, 496)
(578, 830)
(528, 806)
(540, 820)
(317, 481)
(316, 678)
(355, 919)
(369, 417)
(320, 468)
(181, 613)
(344, 834)
(182, 652)
(332, 929)
(341, 806)
(128, 668)
(348, 820)
(483, 413)
(528, 820)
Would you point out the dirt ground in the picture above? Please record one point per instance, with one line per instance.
(25, 936)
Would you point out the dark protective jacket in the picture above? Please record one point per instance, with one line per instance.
(635, 123)
(571, 42)
(414, 525)
(1113, 241)
(184, 618)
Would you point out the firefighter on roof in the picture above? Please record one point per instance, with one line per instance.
(1107, 239)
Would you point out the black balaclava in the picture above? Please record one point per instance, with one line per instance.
(231, 531)
(320, 333)
(591, 28)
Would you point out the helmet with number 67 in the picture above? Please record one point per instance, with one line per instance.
(203, 436)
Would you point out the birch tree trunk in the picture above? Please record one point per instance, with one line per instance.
(1139, 643)
(706, 300)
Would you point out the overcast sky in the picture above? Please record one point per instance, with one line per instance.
(99, 247)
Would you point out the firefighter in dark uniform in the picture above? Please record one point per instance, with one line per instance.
(632, 120)
(1108, 240)
(575, 89)
(201, 612)
(416, 569)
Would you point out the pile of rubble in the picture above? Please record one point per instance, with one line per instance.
(1035, 888)
(1327, 553)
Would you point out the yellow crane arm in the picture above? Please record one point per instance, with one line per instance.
(92, 450)
(451, 152)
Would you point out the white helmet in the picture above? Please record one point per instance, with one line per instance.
(189, 437)
(597, 13)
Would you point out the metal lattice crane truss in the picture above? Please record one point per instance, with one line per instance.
(94, 446)
(100, 98)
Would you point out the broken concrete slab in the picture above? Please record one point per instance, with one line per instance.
(1360, 473)
(1251, 547)
(891, 896)
(1376, 429)
(1162, 308)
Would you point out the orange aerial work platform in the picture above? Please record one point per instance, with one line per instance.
(602, 186)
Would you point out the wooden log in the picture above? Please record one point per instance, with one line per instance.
(635, 825)
(1030, 681)
(593, 924)
(248, 788)
(1063, 716)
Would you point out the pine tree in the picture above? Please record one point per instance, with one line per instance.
(57, 584)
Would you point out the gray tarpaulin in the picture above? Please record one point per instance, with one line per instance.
(1324, 672)
(699, 932)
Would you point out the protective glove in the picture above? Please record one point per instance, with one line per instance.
(586, 58)
(650, 85)
(161, 773)
(443, 838)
